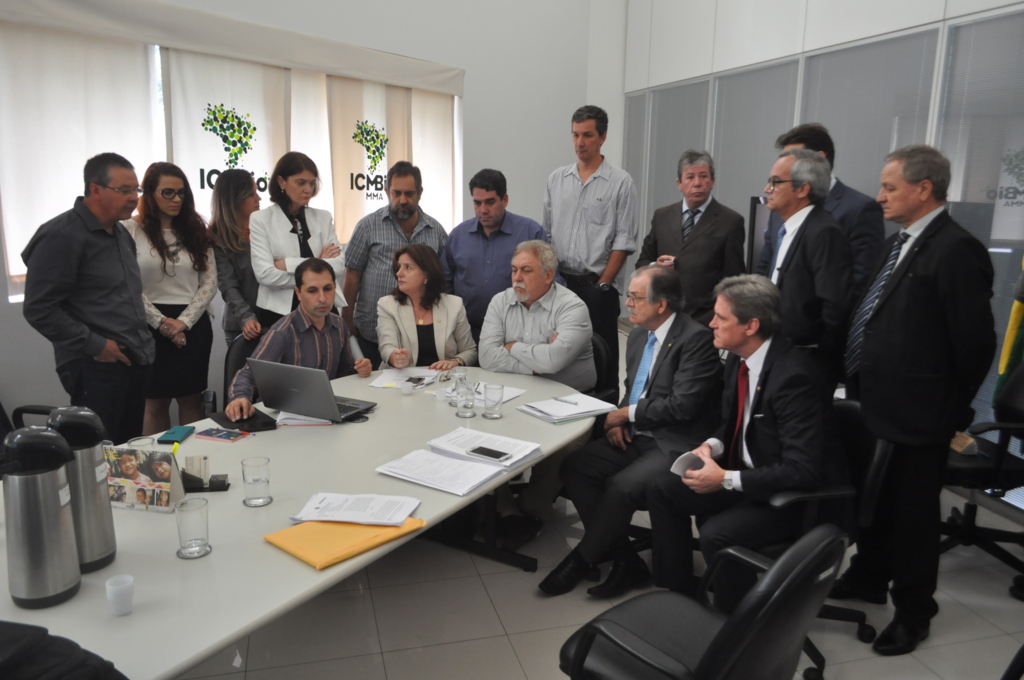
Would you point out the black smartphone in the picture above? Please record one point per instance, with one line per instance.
(489, 454)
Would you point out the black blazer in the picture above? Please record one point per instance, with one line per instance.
(814, 282)
(860, 218)
(713, 251)
(930, 340)
(681, 407)
(786, 431)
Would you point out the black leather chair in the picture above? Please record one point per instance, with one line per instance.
(667, 635)
(993, 469)
(1015, 671)
(6, 426)
(239, 350)
(607, 387)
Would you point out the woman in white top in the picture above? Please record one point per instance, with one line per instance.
(179, 281)
(419, 324)
(287, 233)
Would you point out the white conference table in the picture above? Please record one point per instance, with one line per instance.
(200, 606)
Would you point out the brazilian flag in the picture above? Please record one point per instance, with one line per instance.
(1013, 344)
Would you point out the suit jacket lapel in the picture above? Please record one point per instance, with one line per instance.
(440, 327)
(407, 317)
(919, 242)
(791, 251)
(666, 347)
(704, 224)
(834, 197)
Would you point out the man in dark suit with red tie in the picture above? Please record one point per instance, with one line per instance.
(772, 439)
(921, 341)
(698, 236)
(859, 216)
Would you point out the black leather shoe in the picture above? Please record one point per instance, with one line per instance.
(566, 575)
(844, 589)
(623, 577)
(899, 638)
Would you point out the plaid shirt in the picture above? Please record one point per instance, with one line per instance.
(295, 340)
(370, 251)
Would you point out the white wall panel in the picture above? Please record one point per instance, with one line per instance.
(752, 31)
(638, 44)
(957, 8)
(682, 40)
(606, 63)
(831, 23)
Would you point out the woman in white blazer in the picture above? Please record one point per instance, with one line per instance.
(419, 324)
(287, 233)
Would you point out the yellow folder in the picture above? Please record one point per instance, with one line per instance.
(322, 544)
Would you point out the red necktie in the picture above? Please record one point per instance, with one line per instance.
(736, 446)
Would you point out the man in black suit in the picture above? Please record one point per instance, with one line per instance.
(811, 266)
(921, 341)
(698, 236)
(858, 215)
(772, 439)
(673, 384)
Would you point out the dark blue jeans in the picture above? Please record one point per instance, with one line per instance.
(117, 393)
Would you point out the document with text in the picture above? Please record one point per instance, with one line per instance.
(460, 441)
(438, 471)
(357, 509)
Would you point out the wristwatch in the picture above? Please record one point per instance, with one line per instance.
(604, 287)
(727, 481)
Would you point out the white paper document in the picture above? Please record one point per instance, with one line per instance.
(459, 441)
(687, 461)
(394, 377)
(360, 509)
(563, 409)
(507, 394)
(438, 471)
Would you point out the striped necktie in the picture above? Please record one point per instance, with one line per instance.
(689, 219)
(855, 340)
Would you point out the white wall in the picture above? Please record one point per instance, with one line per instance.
(673, 40)
(529, 64)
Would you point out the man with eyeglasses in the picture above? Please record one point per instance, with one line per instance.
(83, 292)
(812, 264)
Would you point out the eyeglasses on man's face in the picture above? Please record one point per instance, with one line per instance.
(634, 298)
(774, 181)
(124, 191)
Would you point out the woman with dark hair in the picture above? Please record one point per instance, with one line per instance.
(287, 233)
(419, 324)
(160, 466)
(179, 282)
(234, 199)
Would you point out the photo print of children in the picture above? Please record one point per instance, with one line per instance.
(126, 464)
(144, 497)
(117, 493)
(163, 499)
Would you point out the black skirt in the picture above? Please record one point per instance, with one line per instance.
(184, 371)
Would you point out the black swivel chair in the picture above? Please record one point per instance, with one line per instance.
(607, 387)
(667, 635)
(996, 470)
(239, 350)
(6, 426)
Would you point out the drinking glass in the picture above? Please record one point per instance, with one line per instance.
(459, 377)
(466, 397)
(256, 479)
(493, 396)
(193, 528)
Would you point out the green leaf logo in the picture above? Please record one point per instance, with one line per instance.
(373, 141)
(234, 132)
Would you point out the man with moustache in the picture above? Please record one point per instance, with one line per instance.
(369, 255)
(83, 293)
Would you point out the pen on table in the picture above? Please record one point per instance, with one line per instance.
(174, 449)
(564, 400)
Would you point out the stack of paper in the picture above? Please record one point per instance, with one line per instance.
(458, 442)
(564, 409)
(284, 418)
(362, 509)
(438, 471)
(394, 377)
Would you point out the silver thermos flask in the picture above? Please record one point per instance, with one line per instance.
(42, 559)
(83, 430)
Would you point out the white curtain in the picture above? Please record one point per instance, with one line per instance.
(225, 113)
(310, 131)
(65, 97)
(433, 145)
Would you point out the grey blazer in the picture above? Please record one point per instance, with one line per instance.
(238, 287)
(396, 329)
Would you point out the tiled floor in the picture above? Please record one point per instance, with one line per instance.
(426, 611)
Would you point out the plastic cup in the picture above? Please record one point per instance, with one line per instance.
(493, 397)
(193, 528)
(406, 388)
(256, 479)
(120, 590)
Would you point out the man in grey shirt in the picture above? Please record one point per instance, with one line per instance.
(590, 216)
(536, 327)
(371, 250)
(83, 292)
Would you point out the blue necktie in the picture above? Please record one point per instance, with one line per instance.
(855, 339)
(775, 253)
(640, 380)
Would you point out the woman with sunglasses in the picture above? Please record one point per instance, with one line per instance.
(179, 281)
(288, 232)
(234, 199)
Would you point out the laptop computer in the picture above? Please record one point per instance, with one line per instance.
(305, 391)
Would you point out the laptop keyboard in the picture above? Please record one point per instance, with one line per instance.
(346, 406)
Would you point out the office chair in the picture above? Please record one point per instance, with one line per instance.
(665, 634)
(239, 350)
(607, 387)
(993, 469)
(6, 426)
(1015, 671)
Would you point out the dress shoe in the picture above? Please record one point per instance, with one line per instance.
(624, 576)
(899, 638)
(845, 589)
(566, 575)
